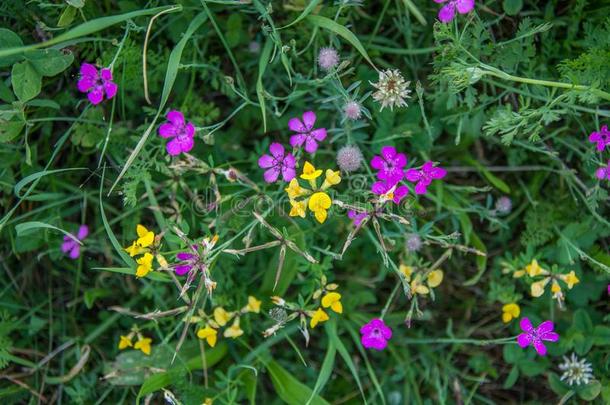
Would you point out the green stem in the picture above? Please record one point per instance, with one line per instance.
(476, 342)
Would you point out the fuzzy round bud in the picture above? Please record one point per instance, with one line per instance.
(504, 205)
(328, 58)
(413, 243)
(349, 158)
(352, 110)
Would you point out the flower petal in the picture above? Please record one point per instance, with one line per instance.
(550, 337)
(88, 70)
(85, 83)
(309, 119)
(176, 118)
(111, 89)
(447, 13)
(311, 146)
(289, 160)
(295, 124)
(277, 150)
(526, 325)
(545, 327)
(186, 143)
(173, 147)
(184, 256)
(437, 173)
(271, 175)
(377, 162)
(540, 347)
(288, 173)
(421, 187)
(373, 342)
(266, 161)
(319, 134)
(524, 340)
(400, 193)
(168, 130)
(75, 252)
(379, 188)
(413, 175)
(67, 245)
(400, 160)
(388, 152)
(297, 140)
(96, 95)
(189, 129)
(182, 269)
(106, 74)
(464, 6)
(83, 231)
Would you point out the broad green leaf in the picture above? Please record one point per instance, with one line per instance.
(67, 16)
(289, 389)
(8, 39)
(512, 377)
(27, 82)
(582, 321)
(590, 391)
(512, 7)
(50, 62)
(557, 385)
(340, 30)
(9, 130)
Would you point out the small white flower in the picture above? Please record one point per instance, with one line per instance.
(392, 89)
(576, 371)
(352, 110)
(328, 58)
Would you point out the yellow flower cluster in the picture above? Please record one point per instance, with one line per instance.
(330, 300)
(316, 199)
(537, 288)
(510, 311)
(146, 245)
(221, 317)
(421, 283)
(143, 343)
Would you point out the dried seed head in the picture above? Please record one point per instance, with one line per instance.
(352, 110)
(392, 89)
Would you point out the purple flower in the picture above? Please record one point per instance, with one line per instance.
(603, 173)
(96, 83)
(447, 12)
(424, 177)
(306, 133)
(389, 164)
(534, 336)
(72, 246)
(188, 261)
(375, 334)
(182, 132)
(601, 138)
(389, 191)
(358, 217)
(278, 162)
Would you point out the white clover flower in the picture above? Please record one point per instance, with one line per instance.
(576, 371)
(392, 89)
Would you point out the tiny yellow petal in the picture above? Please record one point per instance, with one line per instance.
(317, 317)
(435, 278)
(254, 305)
(209, 334)
(234, 331)
(555, 287)
(510, 311)
(144, 265)
(310, 172)
(333, 300)
(125, 342)
(143, 344)
(407, 271)
(537, 288)
(221, 316)
(321, 215)
(570, 279)
(294, 190)
(298, 208)
(506, 317)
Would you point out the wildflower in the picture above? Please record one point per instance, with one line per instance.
(294, 190)
(125, 341)
(424, 176)
(447, 12)
(276, 163)
(352, 110)
(331, 178)
(603, 173)
(413, 242)
(406, 271)
(575, 371)
(209, 334)
(317, 317)
(143, 344)
(328, 58)
(306, 133)
(144, 265)
(390, 165)
(510, 311)
(310, 172)
(182, 132)
(391, 89)
(504, 205)
(298, 208)
(254, 305)
(358, 217)
(601, 138)
(349, 158)
(145, 239)
(72, 247)
(183, 269)
(375, 334)
(221, 316)
(389, 192)
(96, 84)
(319, 203)
(333, 300)
(533, 269)
(534, 336)
(234, 331)
(418, 286)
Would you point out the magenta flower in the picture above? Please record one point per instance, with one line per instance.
(389, 191)
(182, 133)
(188, 261)
(306, 133)
(424, 176)
(278, 162)
(534, 336)
(375, 334)
(71, 246)
(389, 164)
(357, 217)
(447, 12)
(603, 173)
(96, 84)
(601, 138)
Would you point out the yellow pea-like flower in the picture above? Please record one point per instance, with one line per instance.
(435, 278)
(298, 208)
(533, 269)
(510, 311)
(407, 271)
(125, 342)
(294, 190)
(145, 237)
(318, 203)
(537, 288)
(221, 316)
(144, 345)
(333, 300)
(310, 172)
(144, 265)
(570, 279)
(332, 178)
(417, 287)
(318, 317)
(234, 331)
(209, 334)
(254, 305)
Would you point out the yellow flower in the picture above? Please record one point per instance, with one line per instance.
(143, 344)
(208, 401)
(317, 317)
(555, 287)
(310, 172)
(319, 202)
(435, 278)
(407, 271)
(299, 208)
(135, 249)
(294, 190)
(208, 334)
(144, 265)
(537, 288)
(417, 287)
(254, 305)
(221, 316)
(570, 279)
(145, 237)
(234, 331)
(125, 342)
(510, 311)
(332, 178)
(333, 300)
(533, 269)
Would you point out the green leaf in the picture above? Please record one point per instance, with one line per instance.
(601, 336)
(582, 321)
(413, 9)
(340, 30)
(512, 378)
(50, 62)
(76, 3)
(512, 7)
(327, 365)
(531, 368)
(345, 355)
(8, 39)
(557, 385)
(512, 353)
(289, 389)
(9, 130)
(67, 16)
(27, 82)
(32, 226)
(306, 11)
(263, 62)
(590, 391)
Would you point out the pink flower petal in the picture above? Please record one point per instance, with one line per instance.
(189, 129)
(265, 161)
(309, 119)
(526, 325)
(297, 140)
(400, 193)
(377, 162)
(388, 152)
(437, 173)
(550, 337)
(400, 160)
(173, 147)
(540, 348)
(372, 342)
(88, 70)
(96, 95)
(319, 134)
(111, 89)
(546, 326)
(75, 252)
(413, 175)
(311, 146)
(85, 83)
(421, 187)
(601, 173)
(288, 173)
(83, 231)
(289, 160)
(379, 187)
(277, 150)
(184, 256)
(271, 175)
(67, 245)
(440, 1)
(176, 118)
(186, 143)
(168, 130)
(524, 340)
(182, 269)
(464, 6)
(446, 13)
(106, 74)
(296, 125)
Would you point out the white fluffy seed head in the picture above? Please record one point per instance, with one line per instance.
(328, 58)
(352, 110)
(349, 158)
(392, 89)
(413, 242)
